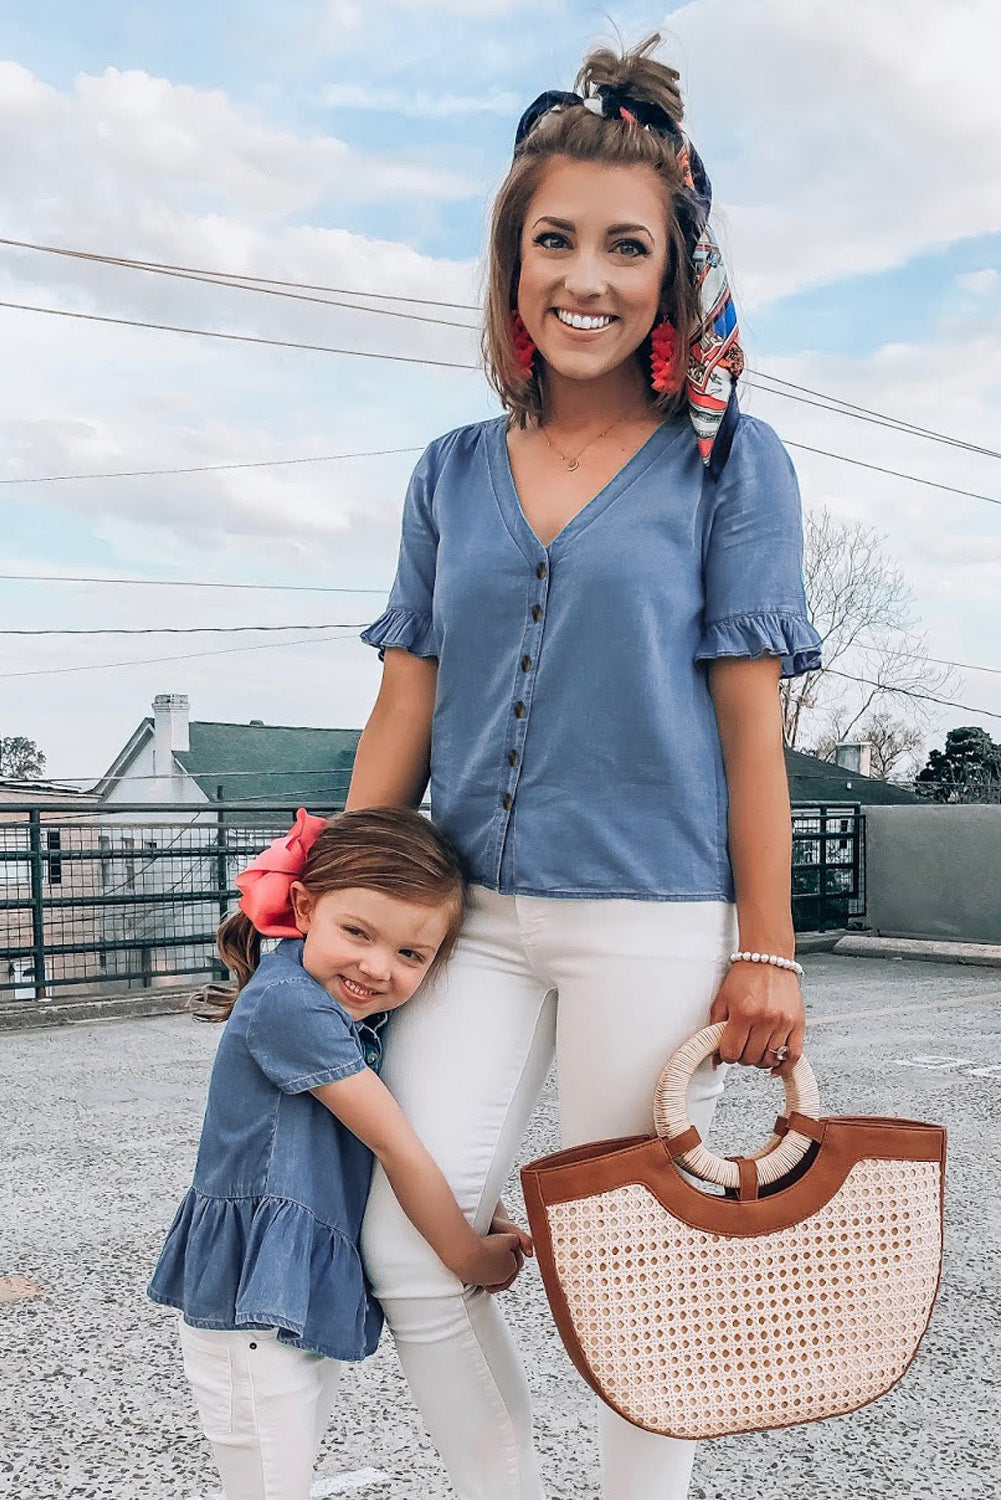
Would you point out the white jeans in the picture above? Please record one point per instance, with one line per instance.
(612, 987)
(264, 1407)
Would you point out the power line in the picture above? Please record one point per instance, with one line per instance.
(239, 338)
(106, 666)
(333, 771)
(939, 661)
(240, 281)
(187, 583)
(895, 473)
(260, 463)
(845, 409)
(239, 276)
(912, 693)
(180, 629)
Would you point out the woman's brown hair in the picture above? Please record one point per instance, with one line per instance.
(393, 850)
(582, 136)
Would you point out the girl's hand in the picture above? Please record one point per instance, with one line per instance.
(763, 1008)
(495, 1263)
(501, 1224)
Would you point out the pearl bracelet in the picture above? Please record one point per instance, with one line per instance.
(769, 958)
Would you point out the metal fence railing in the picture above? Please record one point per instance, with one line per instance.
(828, 865)
(120, 897)
(129, 896)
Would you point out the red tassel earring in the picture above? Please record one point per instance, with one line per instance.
(524, 348)
(663, 341)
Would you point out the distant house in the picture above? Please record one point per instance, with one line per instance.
(170, 758)
(812, 780)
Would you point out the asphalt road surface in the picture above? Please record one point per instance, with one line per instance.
(99, 1128)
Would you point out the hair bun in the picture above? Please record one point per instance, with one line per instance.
(636, 73)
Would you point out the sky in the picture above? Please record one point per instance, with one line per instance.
(852, 146)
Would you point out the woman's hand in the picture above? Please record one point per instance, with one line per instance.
(763, 1008)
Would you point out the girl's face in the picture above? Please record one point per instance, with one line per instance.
(370, 951)
(593, 248)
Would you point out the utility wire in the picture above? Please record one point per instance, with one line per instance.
(874, 419)
(178, 629)
(239, 338)
(894, 473)
(105, 666)
(912, 693)
(266, 284)
(187, 583)
(236, 276)
(260, 463)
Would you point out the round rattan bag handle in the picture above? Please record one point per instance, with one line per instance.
(670, 1112)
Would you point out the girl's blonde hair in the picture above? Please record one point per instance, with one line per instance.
(393, 850)
(578, 134)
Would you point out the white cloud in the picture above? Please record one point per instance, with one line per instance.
(978, 283)
(163, 146)
(843, 139)
(420, 103)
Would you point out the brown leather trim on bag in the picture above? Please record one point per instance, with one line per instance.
(538, 1221)
(747, 1189)
(607, 1165)
(802, 1124)
(686, 1141)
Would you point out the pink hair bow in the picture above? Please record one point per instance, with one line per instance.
(266, 882)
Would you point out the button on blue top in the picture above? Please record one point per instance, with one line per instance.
(267, 1235)
(587, 657)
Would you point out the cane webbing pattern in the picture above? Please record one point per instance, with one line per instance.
(696, 1334)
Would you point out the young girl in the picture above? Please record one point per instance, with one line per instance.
(597, 594)
(262, 1258)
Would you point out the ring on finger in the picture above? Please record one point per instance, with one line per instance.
(779, 1053)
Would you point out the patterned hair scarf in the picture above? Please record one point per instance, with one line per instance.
(715, 357)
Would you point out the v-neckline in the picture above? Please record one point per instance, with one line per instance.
(509, 500)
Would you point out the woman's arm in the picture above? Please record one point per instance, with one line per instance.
(393, 759)
(763, 1004)
(370, 1112)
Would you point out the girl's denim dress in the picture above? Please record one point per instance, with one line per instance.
(267, 1235)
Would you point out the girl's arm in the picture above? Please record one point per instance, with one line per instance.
(365, 1105)
(393, 759)
(759, 1000)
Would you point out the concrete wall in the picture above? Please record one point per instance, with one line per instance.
(934, 872)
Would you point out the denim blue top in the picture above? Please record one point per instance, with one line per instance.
(575, 750)
(267, 1235)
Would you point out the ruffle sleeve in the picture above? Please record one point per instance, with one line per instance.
(406, 628)
(764, 633)
(754, 602)
(407, 620)
(267, 1263)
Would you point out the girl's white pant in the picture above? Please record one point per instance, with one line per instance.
(264, 1407)
(610, 988)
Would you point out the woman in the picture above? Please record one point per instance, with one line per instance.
(596, 596)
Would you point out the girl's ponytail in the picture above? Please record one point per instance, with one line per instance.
(239, 946)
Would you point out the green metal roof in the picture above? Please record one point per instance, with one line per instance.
(815, 780)
(271, 763)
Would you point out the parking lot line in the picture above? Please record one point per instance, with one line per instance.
(988, 996)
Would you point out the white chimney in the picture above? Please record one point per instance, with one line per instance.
(854, 755)
(170, 730)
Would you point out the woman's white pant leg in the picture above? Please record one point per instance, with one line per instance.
(635, 979)
(264, 1407)
(466, 1060)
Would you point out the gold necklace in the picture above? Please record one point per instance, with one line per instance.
(574, 463)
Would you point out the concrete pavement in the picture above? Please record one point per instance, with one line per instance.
(99, 1128)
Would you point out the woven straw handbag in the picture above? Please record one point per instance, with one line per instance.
(802, 1293)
